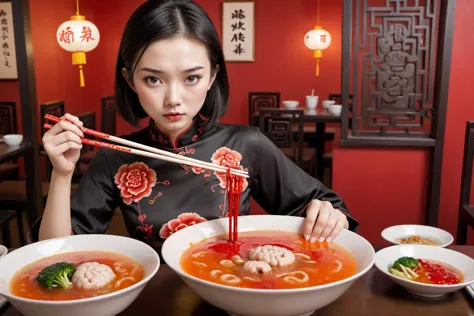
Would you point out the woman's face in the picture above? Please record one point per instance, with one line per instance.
(171, 80)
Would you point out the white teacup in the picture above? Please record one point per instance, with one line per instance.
(327, 104)
(335, 109)
(312, 101)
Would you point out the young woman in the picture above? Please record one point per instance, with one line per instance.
(171, 69)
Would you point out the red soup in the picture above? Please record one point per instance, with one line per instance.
(122, 271)
(268, 260)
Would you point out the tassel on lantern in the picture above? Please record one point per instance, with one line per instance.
(79, 58)
(81, 77)
(317, 54)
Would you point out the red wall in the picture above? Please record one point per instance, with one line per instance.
(388, 186)
(381, 186)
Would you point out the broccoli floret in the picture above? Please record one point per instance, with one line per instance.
(57, 274)
(407, 262)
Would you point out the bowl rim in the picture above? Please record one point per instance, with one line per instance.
(448, 234)
(12, 135)
(426, 285)
(142, 282)
(352, 278)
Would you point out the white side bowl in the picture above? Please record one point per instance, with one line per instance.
(104, 305)
(385, 258)
(328, 103)
(335, 109)
(291, 104)
(391, 234)
(264, 302)
(13, 139)
(3, 251)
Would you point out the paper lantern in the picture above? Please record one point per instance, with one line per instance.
(317, 40)
(78, 36)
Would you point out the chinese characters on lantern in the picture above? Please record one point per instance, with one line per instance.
(67, 36)
(238, 31)
(8, 69)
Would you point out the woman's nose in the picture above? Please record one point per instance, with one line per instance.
(173, 96)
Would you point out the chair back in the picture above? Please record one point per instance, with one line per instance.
(258, 100)
(109, 115)
(8, 124)
(55, 108)
(281, 126)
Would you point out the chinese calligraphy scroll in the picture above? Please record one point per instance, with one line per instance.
(238, 31)
(8, 69)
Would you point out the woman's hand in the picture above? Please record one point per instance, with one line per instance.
(63, 144)
(323, 222)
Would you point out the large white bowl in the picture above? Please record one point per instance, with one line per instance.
(385, 258)
(391, 234)
(256, 302)
(104, 305)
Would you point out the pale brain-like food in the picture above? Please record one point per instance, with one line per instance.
(273, 255)
(92, 275)
(257, 267)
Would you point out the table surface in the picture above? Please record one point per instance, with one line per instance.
(372, 294)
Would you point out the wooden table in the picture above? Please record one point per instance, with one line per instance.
(373, 294)
(320, 117)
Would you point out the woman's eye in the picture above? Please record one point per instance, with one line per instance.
(153, 80)
(193, 79)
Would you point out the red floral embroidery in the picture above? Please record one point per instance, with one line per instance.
(184, 220)
(227, 158)
(135, 181)
(198, 170)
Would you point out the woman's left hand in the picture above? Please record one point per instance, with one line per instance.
(323, 222)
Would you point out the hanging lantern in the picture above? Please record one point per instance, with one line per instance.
(317, 40)
(78, 36)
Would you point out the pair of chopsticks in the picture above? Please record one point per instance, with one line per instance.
(146, 151)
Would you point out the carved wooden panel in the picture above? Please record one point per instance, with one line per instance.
(393, 70)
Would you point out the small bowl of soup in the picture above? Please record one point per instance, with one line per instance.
(417, 235)
(425, 270)
(270, 269)
(93, 275)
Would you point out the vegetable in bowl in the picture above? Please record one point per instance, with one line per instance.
(57, 274)
(404, 266)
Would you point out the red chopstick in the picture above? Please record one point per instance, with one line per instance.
(158, 153)
(184, 160)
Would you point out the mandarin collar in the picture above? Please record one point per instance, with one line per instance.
(190, 135)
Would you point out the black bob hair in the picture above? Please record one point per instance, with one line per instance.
(156, 20)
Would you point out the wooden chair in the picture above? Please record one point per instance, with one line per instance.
(55, 108)
(8, 125)
(109, 115)
(338, 98)
(285, 128)
(466, 211)
(258, 100)
(5, 218)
